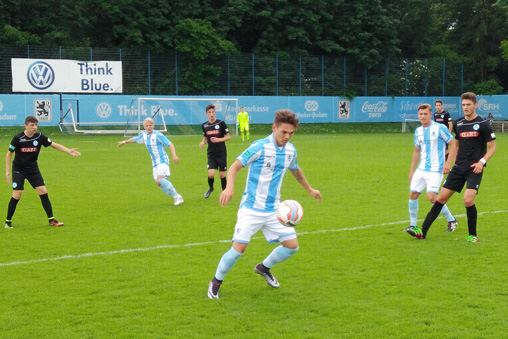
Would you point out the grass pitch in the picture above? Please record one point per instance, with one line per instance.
(129, 264)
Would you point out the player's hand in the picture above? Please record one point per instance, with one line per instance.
(477, 167)
(226, 196)
(121, 143)
(446, 168)
(74, 152)
(315, 194)
(214, 139)
(176, 160)
(201, 144)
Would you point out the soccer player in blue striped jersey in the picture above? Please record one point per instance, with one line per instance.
(267, 160)
(156, 144)
(430, 141)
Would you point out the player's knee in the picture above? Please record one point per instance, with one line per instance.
(468, 201)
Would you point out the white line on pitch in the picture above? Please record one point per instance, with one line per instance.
(85, 255)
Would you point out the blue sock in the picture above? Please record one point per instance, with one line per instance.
(167, 187)
(413, 211)
(227, 262)
(447, 213)
(279, 254)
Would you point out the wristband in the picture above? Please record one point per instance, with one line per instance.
(123, 142)
(483, 161)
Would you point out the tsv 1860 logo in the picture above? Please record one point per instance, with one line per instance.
(40, 75)
(103, 110)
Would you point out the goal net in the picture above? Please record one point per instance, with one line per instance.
(181, 116)
(410, 125)
(178, 116)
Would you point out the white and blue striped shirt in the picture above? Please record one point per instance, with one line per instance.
(432, 141)
(156, 144)
(267, 165)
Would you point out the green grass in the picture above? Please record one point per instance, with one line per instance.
(129, 264)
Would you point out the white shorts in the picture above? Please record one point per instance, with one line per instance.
(249, 222)
(426, 180)
(162, 169)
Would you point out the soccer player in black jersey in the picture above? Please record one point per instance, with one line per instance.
(476, 145)
(442, 116)
(215, 134)
(27, 146)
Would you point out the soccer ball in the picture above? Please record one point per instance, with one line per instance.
(289, 213)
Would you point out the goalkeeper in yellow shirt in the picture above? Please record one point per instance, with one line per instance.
(242, 120)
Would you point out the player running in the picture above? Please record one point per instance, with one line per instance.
(27, 145)
(155, 143)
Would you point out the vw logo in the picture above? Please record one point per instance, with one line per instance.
(103, 110)
(311, 105)
(40, 75)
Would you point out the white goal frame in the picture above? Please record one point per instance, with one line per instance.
(404, 123)
(140, 119)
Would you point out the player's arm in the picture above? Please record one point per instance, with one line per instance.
(227, 194)
(123, 142)
(300, 177)
(478, 166)
(72, 151)
(414, 162)
(202, 143)
(450, 125)
(226, 137)
(452, 154)
(8, 160)
(173, 153)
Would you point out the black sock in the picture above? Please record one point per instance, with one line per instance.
(472, 217)
(47, 205)
(223, 182)
(431, 216)
(12, 208)
(210, 182)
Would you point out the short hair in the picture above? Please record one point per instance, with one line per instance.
(438, 100)
(209, 107)
(30, 119)
(148, 120)
(286, 116)
(425, 106)
(468, 96)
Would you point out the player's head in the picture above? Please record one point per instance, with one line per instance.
(424, 114)
(242, 109)
(148, 125)
(469, 104)
(284, 125)
(210, 112)
(31, 124)
(439, 105)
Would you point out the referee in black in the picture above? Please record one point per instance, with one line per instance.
(474, 136)
(215, 134)
(27, 146)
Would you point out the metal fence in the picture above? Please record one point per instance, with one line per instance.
(170, 73)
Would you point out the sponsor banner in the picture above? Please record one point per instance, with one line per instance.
(66, 76)
(104, 109)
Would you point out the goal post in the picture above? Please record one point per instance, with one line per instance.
(183, 116)
(175, 115)
(410, 125)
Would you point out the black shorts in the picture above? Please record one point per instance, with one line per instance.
(33, 176)
(458, 176)
(218, 162)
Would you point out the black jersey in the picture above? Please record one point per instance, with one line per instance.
(27, 149)
(217, 129)
(473, 136)
(443, 118)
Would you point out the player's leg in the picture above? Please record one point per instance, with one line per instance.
(417, 185)
(242, 132)
(223, 167)
(473, 184)
(274, 231)
(247, 224)
(443, 197)
(18, 181)
(247, 132)
(160, 174)
(212, 166)
(452, 222)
